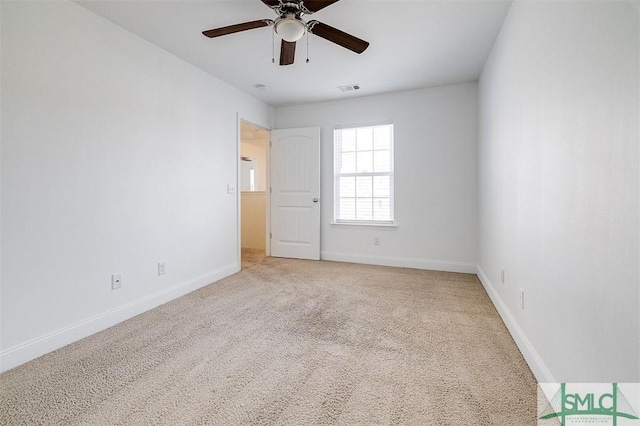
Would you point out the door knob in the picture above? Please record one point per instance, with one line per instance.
(315, 200)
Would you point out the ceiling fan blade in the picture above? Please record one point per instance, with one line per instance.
(271, 3)
(217, 32)
(338, 37)
(315, 5)
(287, 52)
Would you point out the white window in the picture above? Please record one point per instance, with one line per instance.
(363, 174)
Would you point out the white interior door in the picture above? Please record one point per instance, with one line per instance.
(295, 193)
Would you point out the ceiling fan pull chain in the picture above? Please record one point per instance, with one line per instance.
(307, 46)
(273, 48)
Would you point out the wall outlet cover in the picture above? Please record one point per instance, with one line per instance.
(116, 281)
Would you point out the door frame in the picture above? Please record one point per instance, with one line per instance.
(239, 121)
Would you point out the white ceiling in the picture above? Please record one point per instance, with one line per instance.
(414, 44)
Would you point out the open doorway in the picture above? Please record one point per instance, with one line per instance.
(253, 193)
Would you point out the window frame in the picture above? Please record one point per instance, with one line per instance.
(337, 153)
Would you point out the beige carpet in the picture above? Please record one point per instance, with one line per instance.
(291, 342)
(251, 256)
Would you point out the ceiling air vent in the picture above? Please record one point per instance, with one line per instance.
(349, 87)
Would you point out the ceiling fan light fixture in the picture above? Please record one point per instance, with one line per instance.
(290, 29)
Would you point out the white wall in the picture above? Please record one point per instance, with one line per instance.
(558, 187)
(435, 180)
(1, 221)
(115, 155)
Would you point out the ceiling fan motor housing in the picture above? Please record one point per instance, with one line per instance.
(291, 8)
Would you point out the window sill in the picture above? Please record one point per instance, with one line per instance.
(364, 225)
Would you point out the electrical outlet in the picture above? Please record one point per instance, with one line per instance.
(116, 281)
(502, 275)
(376, 241)
(162, 268)
(231, 189)
(522, 299)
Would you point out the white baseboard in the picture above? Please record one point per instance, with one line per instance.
(37, 347)
(401, 262)
(531, 356)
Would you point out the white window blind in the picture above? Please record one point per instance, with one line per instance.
(363, 174)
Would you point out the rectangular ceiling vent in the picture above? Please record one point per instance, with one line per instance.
(349, 87)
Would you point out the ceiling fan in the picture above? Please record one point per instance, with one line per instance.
(291, 27)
